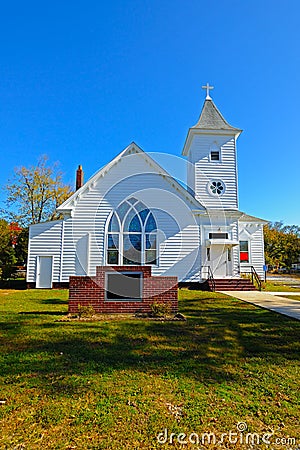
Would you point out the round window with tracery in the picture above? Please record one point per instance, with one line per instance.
(216, 187)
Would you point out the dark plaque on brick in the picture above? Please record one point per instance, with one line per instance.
(122, 289)
(124, 286)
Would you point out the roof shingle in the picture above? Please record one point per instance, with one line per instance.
(212, 119)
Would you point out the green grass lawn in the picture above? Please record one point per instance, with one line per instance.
(291, 297)
(117, 383)
(278, 287)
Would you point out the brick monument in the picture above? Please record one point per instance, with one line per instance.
(122, 289)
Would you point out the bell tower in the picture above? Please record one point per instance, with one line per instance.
(210, 147)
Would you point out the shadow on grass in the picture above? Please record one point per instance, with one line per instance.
(43, 313)
(13, 284)
(54, 301)
(212, 346)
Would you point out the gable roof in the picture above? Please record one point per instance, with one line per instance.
(70, 203)
(211, 118)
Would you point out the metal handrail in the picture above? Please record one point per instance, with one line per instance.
(255, 276)
(210, 277)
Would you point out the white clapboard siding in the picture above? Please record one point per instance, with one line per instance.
(206, 170)
(179, 254)
(235, 250)
(253, 233)
(78, 243)
(171, 208)
(45, 239)
(256, 251)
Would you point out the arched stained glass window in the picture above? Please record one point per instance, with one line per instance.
(131, 200)
(132, 235)
(132, 222)
(114, 224)
(113, 245)
(135, 224)
(123, 209)
(150, 223)
(143, 214)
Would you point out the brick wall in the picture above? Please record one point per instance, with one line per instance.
(91, 291)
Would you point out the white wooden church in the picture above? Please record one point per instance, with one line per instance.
(132, 212)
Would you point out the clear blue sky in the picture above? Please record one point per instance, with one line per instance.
(80, 80)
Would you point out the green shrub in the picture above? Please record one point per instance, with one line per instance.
(161, 309)
(85, 311)
(246, 275)
(8, 272)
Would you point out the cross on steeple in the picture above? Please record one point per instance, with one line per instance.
(208, 88)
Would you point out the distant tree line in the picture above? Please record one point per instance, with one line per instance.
(282, 245)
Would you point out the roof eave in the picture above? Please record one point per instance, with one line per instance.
(67, 206)
(247, 218)
(70, 203)
(208, 131)
(232, 213)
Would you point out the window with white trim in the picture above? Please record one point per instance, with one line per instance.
(218, 235)
(229, 257)
(216, 187)
(208, 253)
(244, 252)
(215, 155)
(131, 235)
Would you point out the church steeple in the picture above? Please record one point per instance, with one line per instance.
(211, 150)
(210, 121)
(211, 118)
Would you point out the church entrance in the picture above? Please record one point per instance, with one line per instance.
(220, 260)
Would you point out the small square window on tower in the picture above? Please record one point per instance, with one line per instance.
(215, 155)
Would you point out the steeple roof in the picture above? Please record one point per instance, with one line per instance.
(212, 119)
(210, 122)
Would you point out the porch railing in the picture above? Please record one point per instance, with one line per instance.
(255, 280)
(209, 276)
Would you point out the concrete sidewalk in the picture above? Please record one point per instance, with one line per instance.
(283, 294)
(270, 301)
